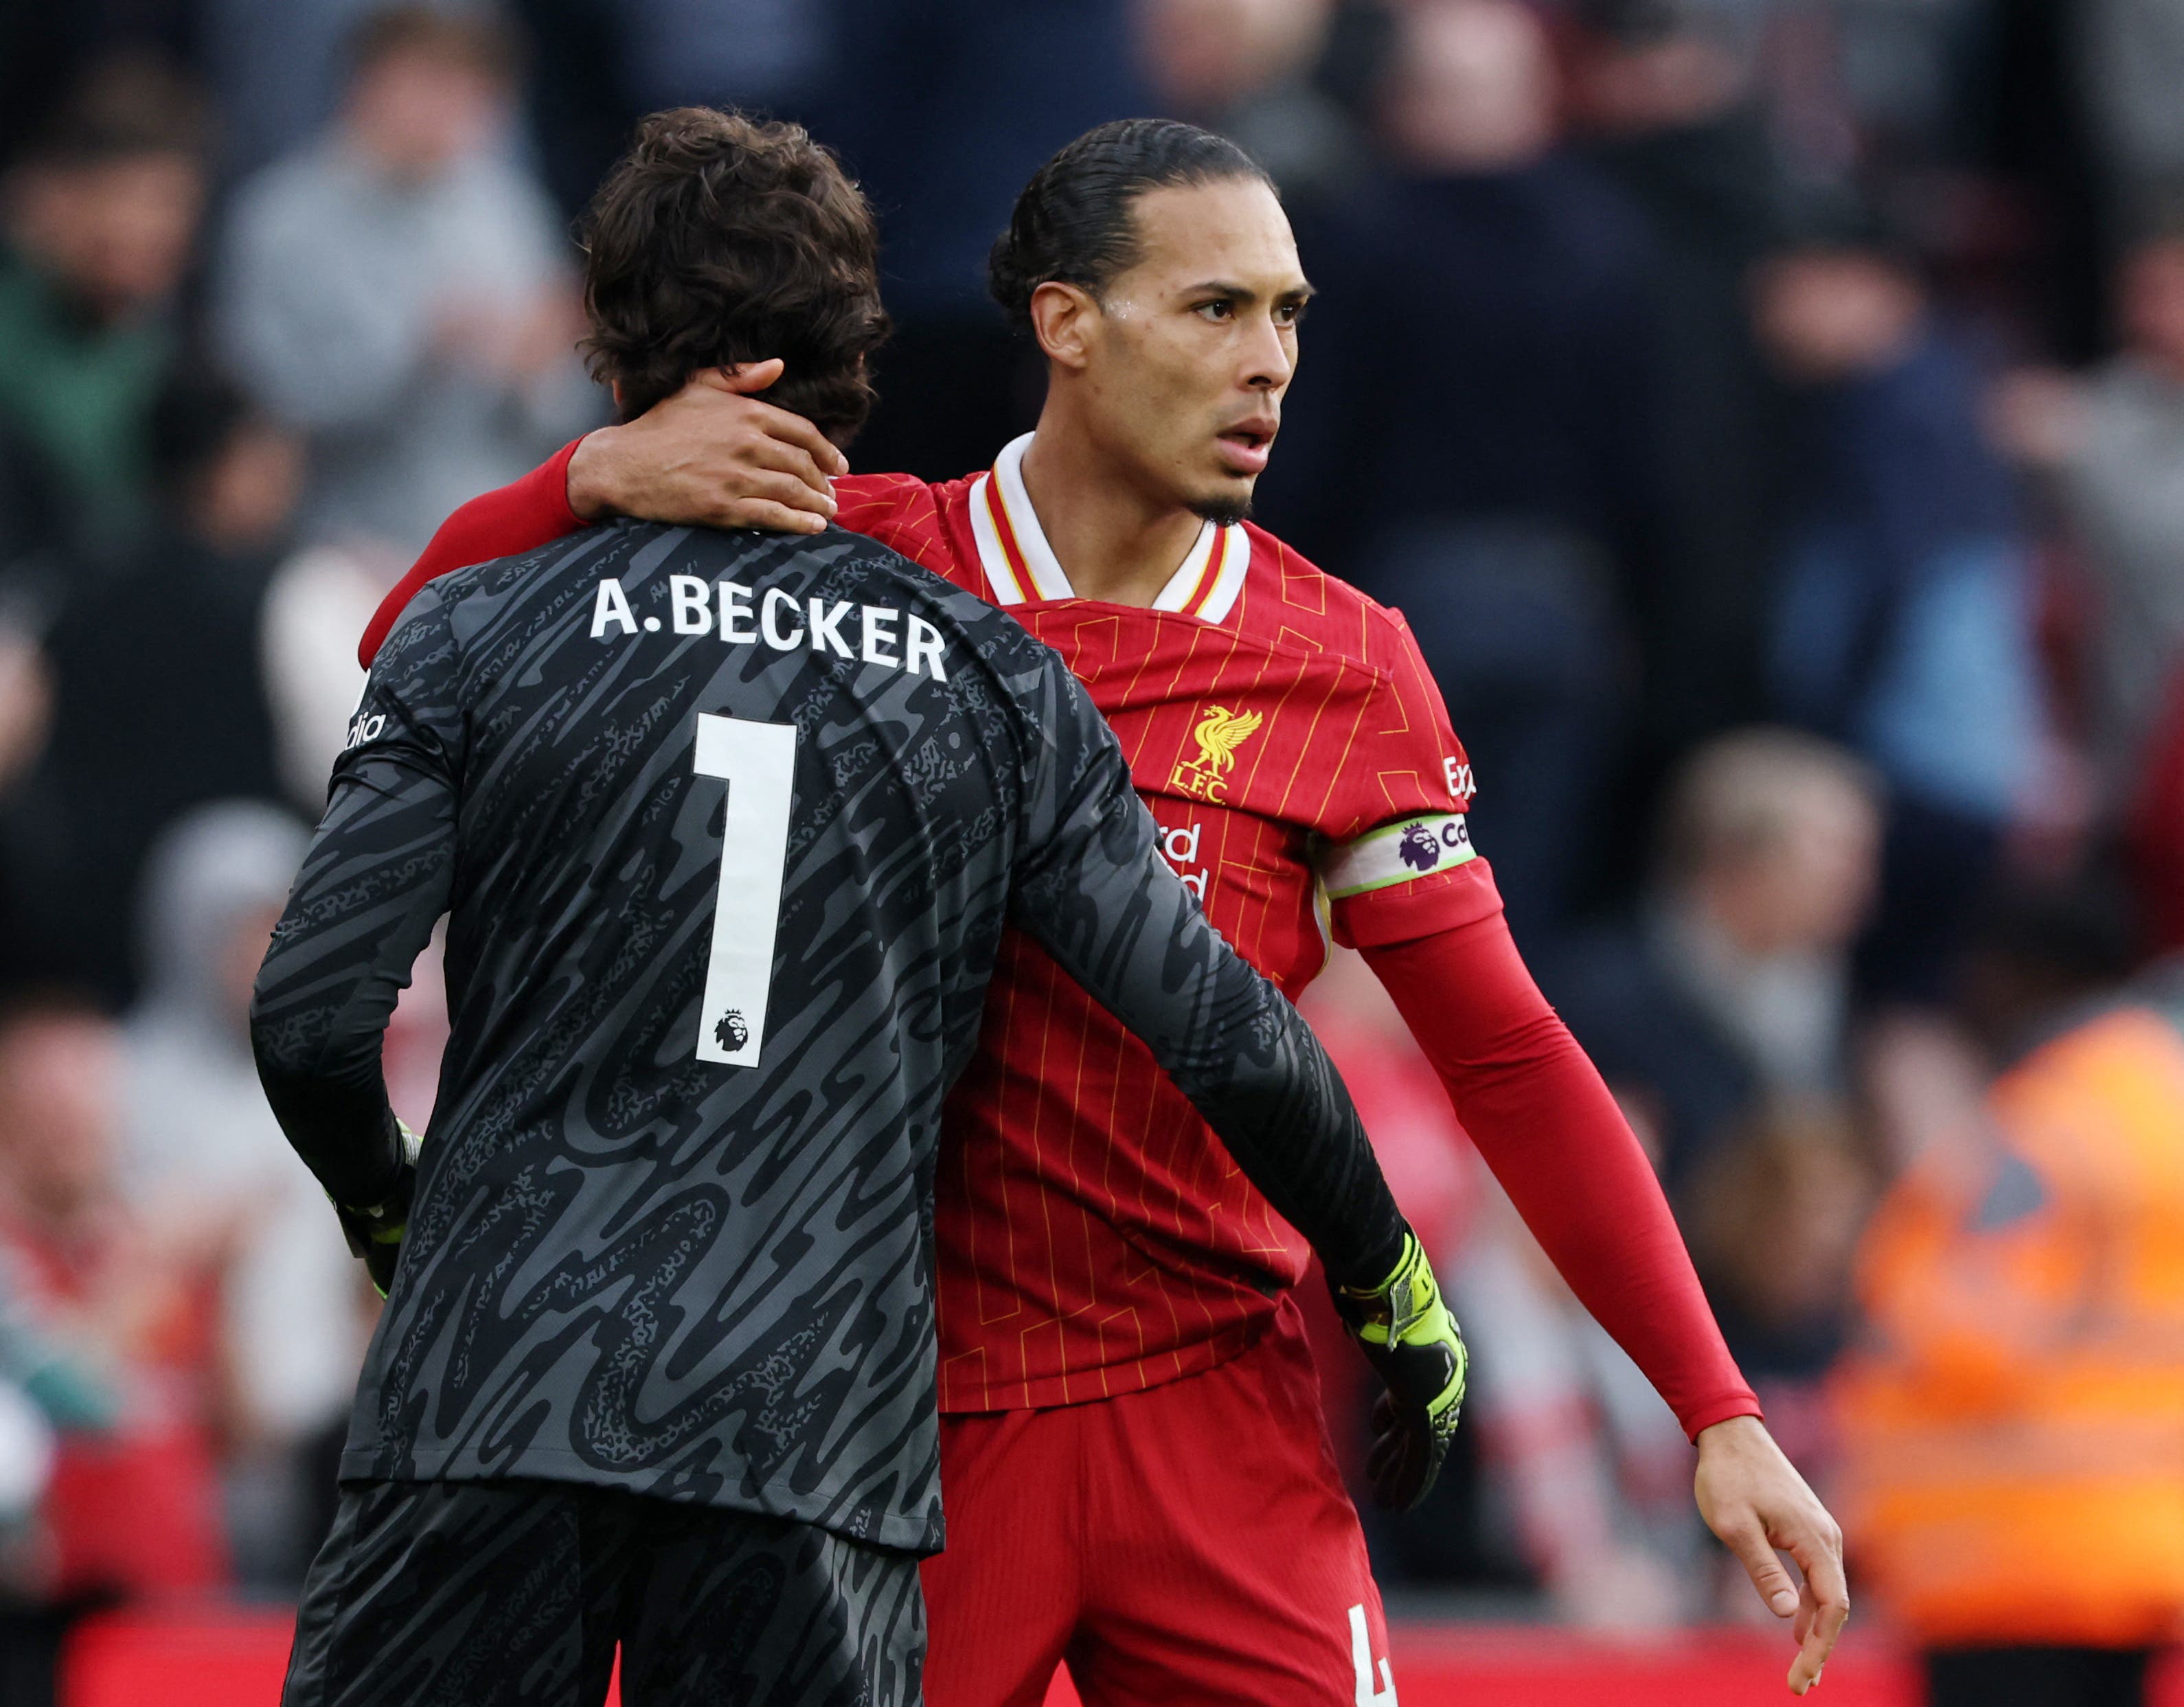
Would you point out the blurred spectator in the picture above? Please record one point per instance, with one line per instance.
(2130, 64)
(100, 216)
(1589, 1468)
(201, 1143)
(318, 603)
(1772, 1216)
(2115, 443)
(1662, 97)
(160, 696)
(1903, 626)
(1734, 982)
(2017, 1498)
(1471, 439)
(598, 66)
(275, 66)
(1586, 1473)
(1244, 67)
(402, 293)
(132, 1507)
(943, 110)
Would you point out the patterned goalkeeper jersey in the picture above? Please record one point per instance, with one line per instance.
(728, 827)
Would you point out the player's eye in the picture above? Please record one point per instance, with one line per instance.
(1289, 314)
(1220, 309)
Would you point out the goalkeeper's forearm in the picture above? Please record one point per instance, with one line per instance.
(373, 885)
(1124, 926)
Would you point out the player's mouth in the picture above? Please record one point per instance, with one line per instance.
(1245, 446)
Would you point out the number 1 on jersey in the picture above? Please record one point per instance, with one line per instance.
(758, 762)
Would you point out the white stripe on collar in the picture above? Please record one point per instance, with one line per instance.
(1000, 579)
(1207, 585)
(1047, 580)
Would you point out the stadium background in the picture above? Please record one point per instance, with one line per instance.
(1769, 414)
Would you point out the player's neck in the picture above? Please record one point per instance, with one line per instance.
(1114, 543)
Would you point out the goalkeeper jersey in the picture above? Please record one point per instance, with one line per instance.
(728, 827)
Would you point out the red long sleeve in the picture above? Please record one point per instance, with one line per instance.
(530, 511)
(1540, 1115)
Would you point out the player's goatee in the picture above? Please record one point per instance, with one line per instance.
(1221, 512)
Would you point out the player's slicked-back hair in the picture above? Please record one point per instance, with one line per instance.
(720, 240)
(1073, 223)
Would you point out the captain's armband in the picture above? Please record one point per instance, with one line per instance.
(1399, 853)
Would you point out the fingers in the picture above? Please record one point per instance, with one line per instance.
(794, 429)
(1748, 1541)
(771, 518)
(779, 422)
(765, 447)
(743, 484)
(1818, 1553)
(750, 377)
(1392, 1466)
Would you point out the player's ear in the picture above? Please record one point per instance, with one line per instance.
(1062, 317)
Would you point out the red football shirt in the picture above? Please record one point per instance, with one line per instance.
(1094, 1237)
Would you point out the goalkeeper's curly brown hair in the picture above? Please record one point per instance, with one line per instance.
(719, 240)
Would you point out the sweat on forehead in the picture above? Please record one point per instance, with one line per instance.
(1074, 222)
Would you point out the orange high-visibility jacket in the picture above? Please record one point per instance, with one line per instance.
(2014, 1428)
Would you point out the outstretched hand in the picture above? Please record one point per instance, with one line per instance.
(712, 455)
(1753, 1499)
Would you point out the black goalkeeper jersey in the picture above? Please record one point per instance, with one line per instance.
(727, 827)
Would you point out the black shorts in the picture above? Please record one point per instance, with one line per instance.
(481, 1594)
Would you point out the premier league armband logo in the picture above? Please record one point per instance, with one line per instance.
(1419, 847)
(1400, 853)
(732, 1033)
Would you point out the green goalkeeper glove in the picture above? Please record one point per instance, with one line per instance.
(375, 1233)
(1407, 1334)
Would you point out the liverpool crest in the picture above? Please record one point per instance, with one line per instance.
(1219, 733)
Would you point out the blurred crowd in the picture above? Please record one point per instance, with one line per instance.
(1769, 414)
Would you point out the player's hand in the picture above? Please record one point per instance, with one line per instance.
(374, 1234)
(1752, 1497)
(713, 455)
(1409, 1337)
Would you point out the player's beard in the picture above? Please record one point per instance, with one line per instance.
(1221, 512)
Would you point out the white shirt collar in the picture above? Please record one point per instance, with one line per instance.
(1020, 565)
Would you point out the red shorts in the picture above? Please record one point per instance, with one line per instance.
(1190, 1543)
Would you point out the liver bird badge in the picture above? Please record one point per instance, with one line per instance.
(1219, 733)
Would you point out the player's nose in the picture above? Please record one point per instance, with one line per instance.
(1268, 361)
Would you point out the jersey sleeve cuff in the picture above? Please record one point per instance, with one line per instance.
(1399, 912)
(555, 474)
(1720, 1409)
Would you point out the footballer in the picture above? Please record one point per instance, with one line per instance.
(1136, 1469)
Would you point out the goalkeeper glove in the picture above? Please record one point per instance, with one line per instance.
(375, 1233)
(1408, 1336)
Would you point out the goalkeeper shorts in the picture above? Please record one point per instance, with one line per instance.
(517, 1594)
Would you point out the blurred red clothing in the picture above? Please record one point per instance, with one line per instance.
(2156, 830)
(135, 1510)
